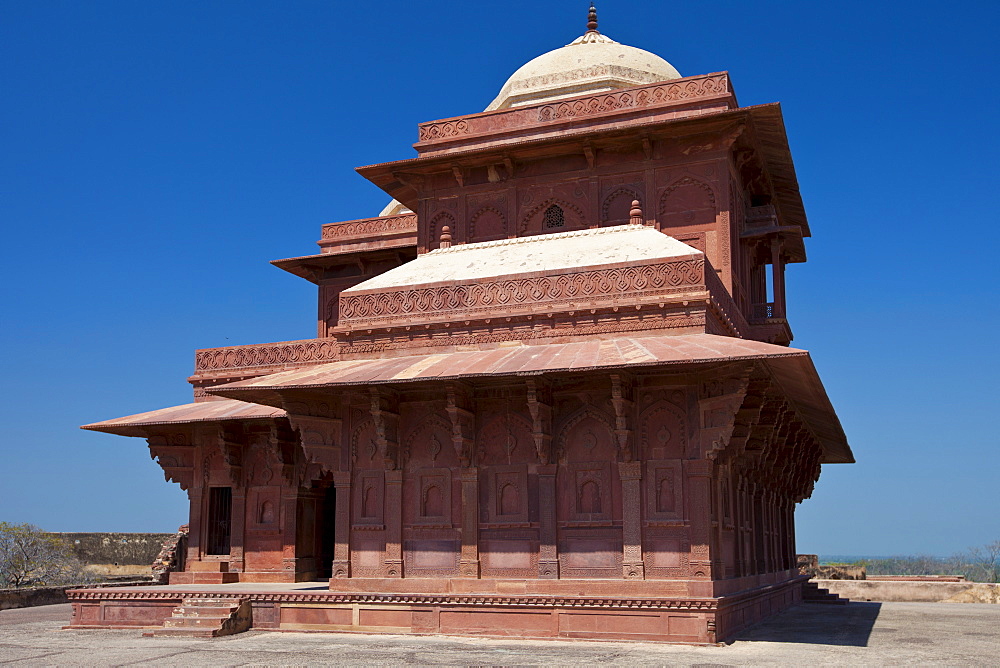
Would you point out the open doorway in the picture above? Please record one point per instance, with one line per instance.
(327, 533)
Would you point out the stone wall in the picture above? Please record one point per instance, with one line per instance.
(912, 591)
(809, 565)
(32, 596)
(116, 554)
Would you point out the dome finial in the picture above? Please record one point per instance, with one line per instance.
(592, 19)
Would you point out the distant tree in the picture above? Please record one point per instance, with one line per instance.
(30, 557)
(980, 564)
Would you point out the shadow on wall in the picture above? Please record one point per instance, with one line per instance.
(814, 623)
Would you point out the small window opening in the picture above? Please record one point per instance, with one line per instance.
(554, 217)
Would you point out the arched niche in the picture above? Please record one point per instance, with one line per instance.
(687, 202)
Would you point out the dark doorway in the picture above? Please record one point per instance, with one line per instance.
(220, 513)
(327, 532)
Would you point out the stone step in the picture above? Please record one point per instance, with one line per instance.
(211, 602)
(207, 617)
(186, 633)
(813, 593)
(187, 622)
(204, 611)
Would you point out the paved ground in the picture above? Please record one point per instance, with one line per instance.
(810, 634)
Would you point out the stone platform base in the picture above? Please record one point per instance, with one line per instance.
(313, 607)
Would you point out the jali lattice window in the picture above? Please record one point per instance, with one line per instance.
(554, 217)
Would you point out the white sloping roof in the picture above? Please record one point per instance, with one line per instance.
(621, 244)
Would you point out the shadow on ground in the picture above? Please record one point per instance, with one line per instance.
(818, 623)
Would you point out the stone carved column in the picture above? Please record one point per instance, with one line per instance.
(540, 406)
(385, 414)
(462, 422)
(342, 529)
(622, 387)
(238, 530)
(548, 551)
(631, 476)
(699, 485)
(394, 524)
(195, 524)
(468, 564)
(289, 529)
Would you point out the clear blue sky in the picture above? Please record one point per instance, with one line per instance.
(155, 155)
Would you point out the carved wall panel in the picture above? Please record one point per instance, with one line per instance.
(367, 554)
(664, 490)
(369, 498)
(589, 489)
(509, 553)
(487, 224)
(506, 498)
(667, 556)
(505, 439)
(594, 553)
(617, 204)
(426, 557)
(434, 228)
(663, 431)
(686, 202)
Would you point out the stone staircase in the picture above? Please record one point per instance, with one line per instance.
(207, 617)
(813, 593)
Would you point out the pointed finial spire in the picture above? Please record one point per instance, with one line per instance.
(592, 19)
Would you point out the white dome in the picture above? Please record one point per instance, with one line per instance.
(592, 63)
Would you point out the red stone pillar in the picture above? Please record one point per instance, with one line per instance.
(237, 530)
(342, 529)
(195, 496)
(289, 531)
(548, 551)
(468, 563)
(394, 523)
(631, 477)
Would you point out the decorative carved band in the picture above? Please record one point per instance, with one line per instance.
(420, 599)
(367, 227)
(646, 97)
(581, 288)
(664, 93)
(285, 353)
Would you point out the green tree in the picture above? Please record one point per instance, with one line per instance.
(30, 557)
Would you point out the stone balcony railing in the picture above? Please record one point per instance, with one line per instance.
(689, 96)
(762, 216)
(352, 233)
(264, 357)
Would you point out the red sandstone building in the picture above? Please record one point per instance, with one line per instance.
(551, 393)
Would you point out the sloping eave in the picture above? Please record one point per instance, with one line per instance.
(206, 411)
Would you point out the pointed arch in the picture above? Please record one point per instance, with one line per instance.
(439, 220)
(567, 428)
(687, 201)
(533, 222)
(487, 224)
(617, 205)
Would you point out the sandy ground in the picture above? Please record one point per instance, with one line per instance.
(810, 634)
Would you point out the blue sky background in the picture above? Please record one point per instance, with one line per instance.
(155, 155)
